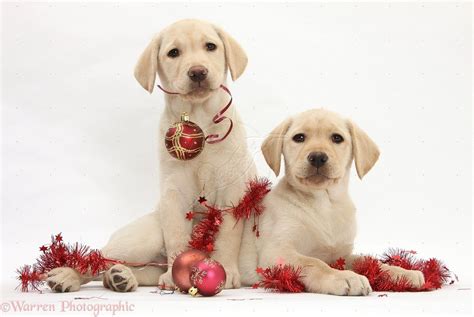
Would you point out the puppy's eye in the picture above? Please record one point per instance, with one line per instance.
(337, 138)
(173, 53)
(298, 138)
(211, 47)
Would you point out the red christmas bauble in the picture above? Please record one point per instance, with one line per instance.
(182, 267)
(208, 276)
(184, 140)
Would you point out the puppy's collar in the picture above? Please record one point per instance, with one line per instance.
(166, 91)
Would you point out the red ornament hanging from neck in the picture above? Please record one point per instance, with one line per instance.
(185, 140)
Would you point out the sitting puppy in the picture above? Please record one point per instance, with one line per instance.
(309, 220)
(192, 59)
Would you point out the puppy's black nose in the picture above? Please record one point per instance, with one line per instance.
(317, 159)
(197, 73)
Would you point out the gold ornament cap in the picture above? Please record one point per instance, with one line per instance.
(184, 116)
(193, 291)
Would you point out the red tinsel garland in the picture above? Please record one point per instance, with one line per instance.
(435, 273)
(205, 232)
(252, 202)
(280, 278)
(61, 254)
(30, 278)
(288, 279)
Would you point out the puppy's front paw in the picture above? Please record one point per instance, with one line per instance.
(415, 278)
(166, 280)
(345, 283)
(120, 278)
(63, 280)
(232, 277)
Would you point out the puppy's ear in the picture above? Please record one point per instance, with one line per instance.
(364, 150)
(272, 147)
(147, 65)
(235, 56)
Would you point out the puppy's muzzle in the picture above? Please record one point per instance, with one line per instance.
(317, 159)
(197, 73)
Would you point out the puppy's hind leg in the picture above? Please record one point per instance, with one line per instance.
(140, 241)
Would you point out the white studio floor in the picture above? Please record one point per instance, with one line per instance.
(94, 300)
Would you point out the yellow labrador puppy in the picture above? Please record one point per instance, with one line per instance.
(191, 58)
(310, 220)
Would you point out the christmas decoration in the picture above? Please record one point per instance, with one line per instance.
(281, 278)
(60, 254)
(205, 232)
(30, 278)
(286, 278)
(207, 277)
(185, 140)
(252, 202)
(339, 264)
(182, 266)
(435, 272)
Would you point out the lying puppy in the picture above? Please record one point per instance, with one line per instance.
(191, 58)
(309, 220)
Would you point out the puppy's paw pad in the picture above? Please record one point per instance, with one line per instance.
(120, 278)
(63, 280)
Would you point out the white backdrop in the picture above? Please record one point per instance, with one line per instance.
(80, 140)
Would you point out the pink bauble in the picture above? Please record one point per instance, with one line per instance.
(208, 276)
(182, 267)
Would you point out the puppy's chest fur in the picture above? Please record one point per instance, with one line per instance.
(219, 167)
(324, 228)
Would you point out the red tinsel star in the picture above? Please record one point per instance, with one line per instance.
(210, 247)
(202, 200)
(259, 270)
(58, 237)
(339, 264)
(190, 215)
(43, 248)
